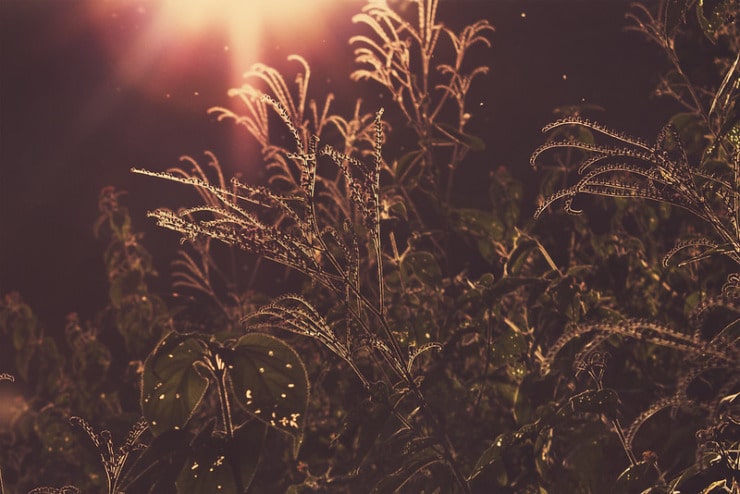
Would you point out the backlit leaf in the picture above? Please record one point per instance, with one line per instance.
(636, 478)
(411, 466)
(508, 347)
(592, 401)
(423, 265)
(712, 21)
(159, 463)
(500, 445)
(269, 380)
(171, 386)
(223, 465)
(470, 141)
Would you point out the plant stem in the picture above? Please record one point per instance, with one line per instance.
(219, 375)
(442, 436)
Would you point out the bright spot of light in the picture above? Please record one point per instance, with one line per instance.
(12, 406)
(241, 23)
(156, 39)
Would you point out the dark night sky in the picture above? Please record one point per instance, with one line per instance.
(72, 121)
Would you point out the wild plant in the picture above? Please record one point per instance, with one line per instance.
(432, 98)
(449, 349)
(90, 368)
(693, 165)
(703, 182)
(4, 377)
(335, 224)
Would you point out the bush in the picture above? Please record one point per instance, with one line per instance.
(428, 346)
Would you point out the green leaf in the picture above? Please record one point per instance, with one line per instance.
(691, 129)
(531, 398)
(394, 207)
(500, 445)
(269, 381)
(592, 401)
(509, 284)
(411, 466)
(472, 142)
(508, 347)
(363, 426)
(701, 466)
(171, 386)
(408, 169)
(519, 255)
(480, 224)
(636, 478)
(223, 465)
(730, 333)
(159, 463)
(723, 96)
(124, 285)
(712, 23)
(483, 226)
(424, 266)
(506, 195)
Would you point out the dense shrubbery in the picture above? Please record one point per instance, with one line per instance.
(427, 347)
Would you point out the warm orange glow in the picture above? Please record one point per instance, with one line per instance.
(12, 406)
(239, 22)
(233, 16)
(168, 30)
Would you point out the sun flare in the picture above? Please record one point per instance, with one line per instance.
(168, 32)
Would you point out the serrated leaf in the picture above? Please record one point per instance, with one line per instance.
(223, 465)
(67, 489)
(419, 350)
(171, 386)
(424, 266)
(270, 381)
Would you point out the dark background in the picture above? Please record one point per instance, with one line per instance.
(72, 123)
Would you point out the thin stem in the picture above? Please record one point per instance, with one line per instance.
(617, 426)
(225, 407)
(489, 337)
(217, 368)
(622, 439)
